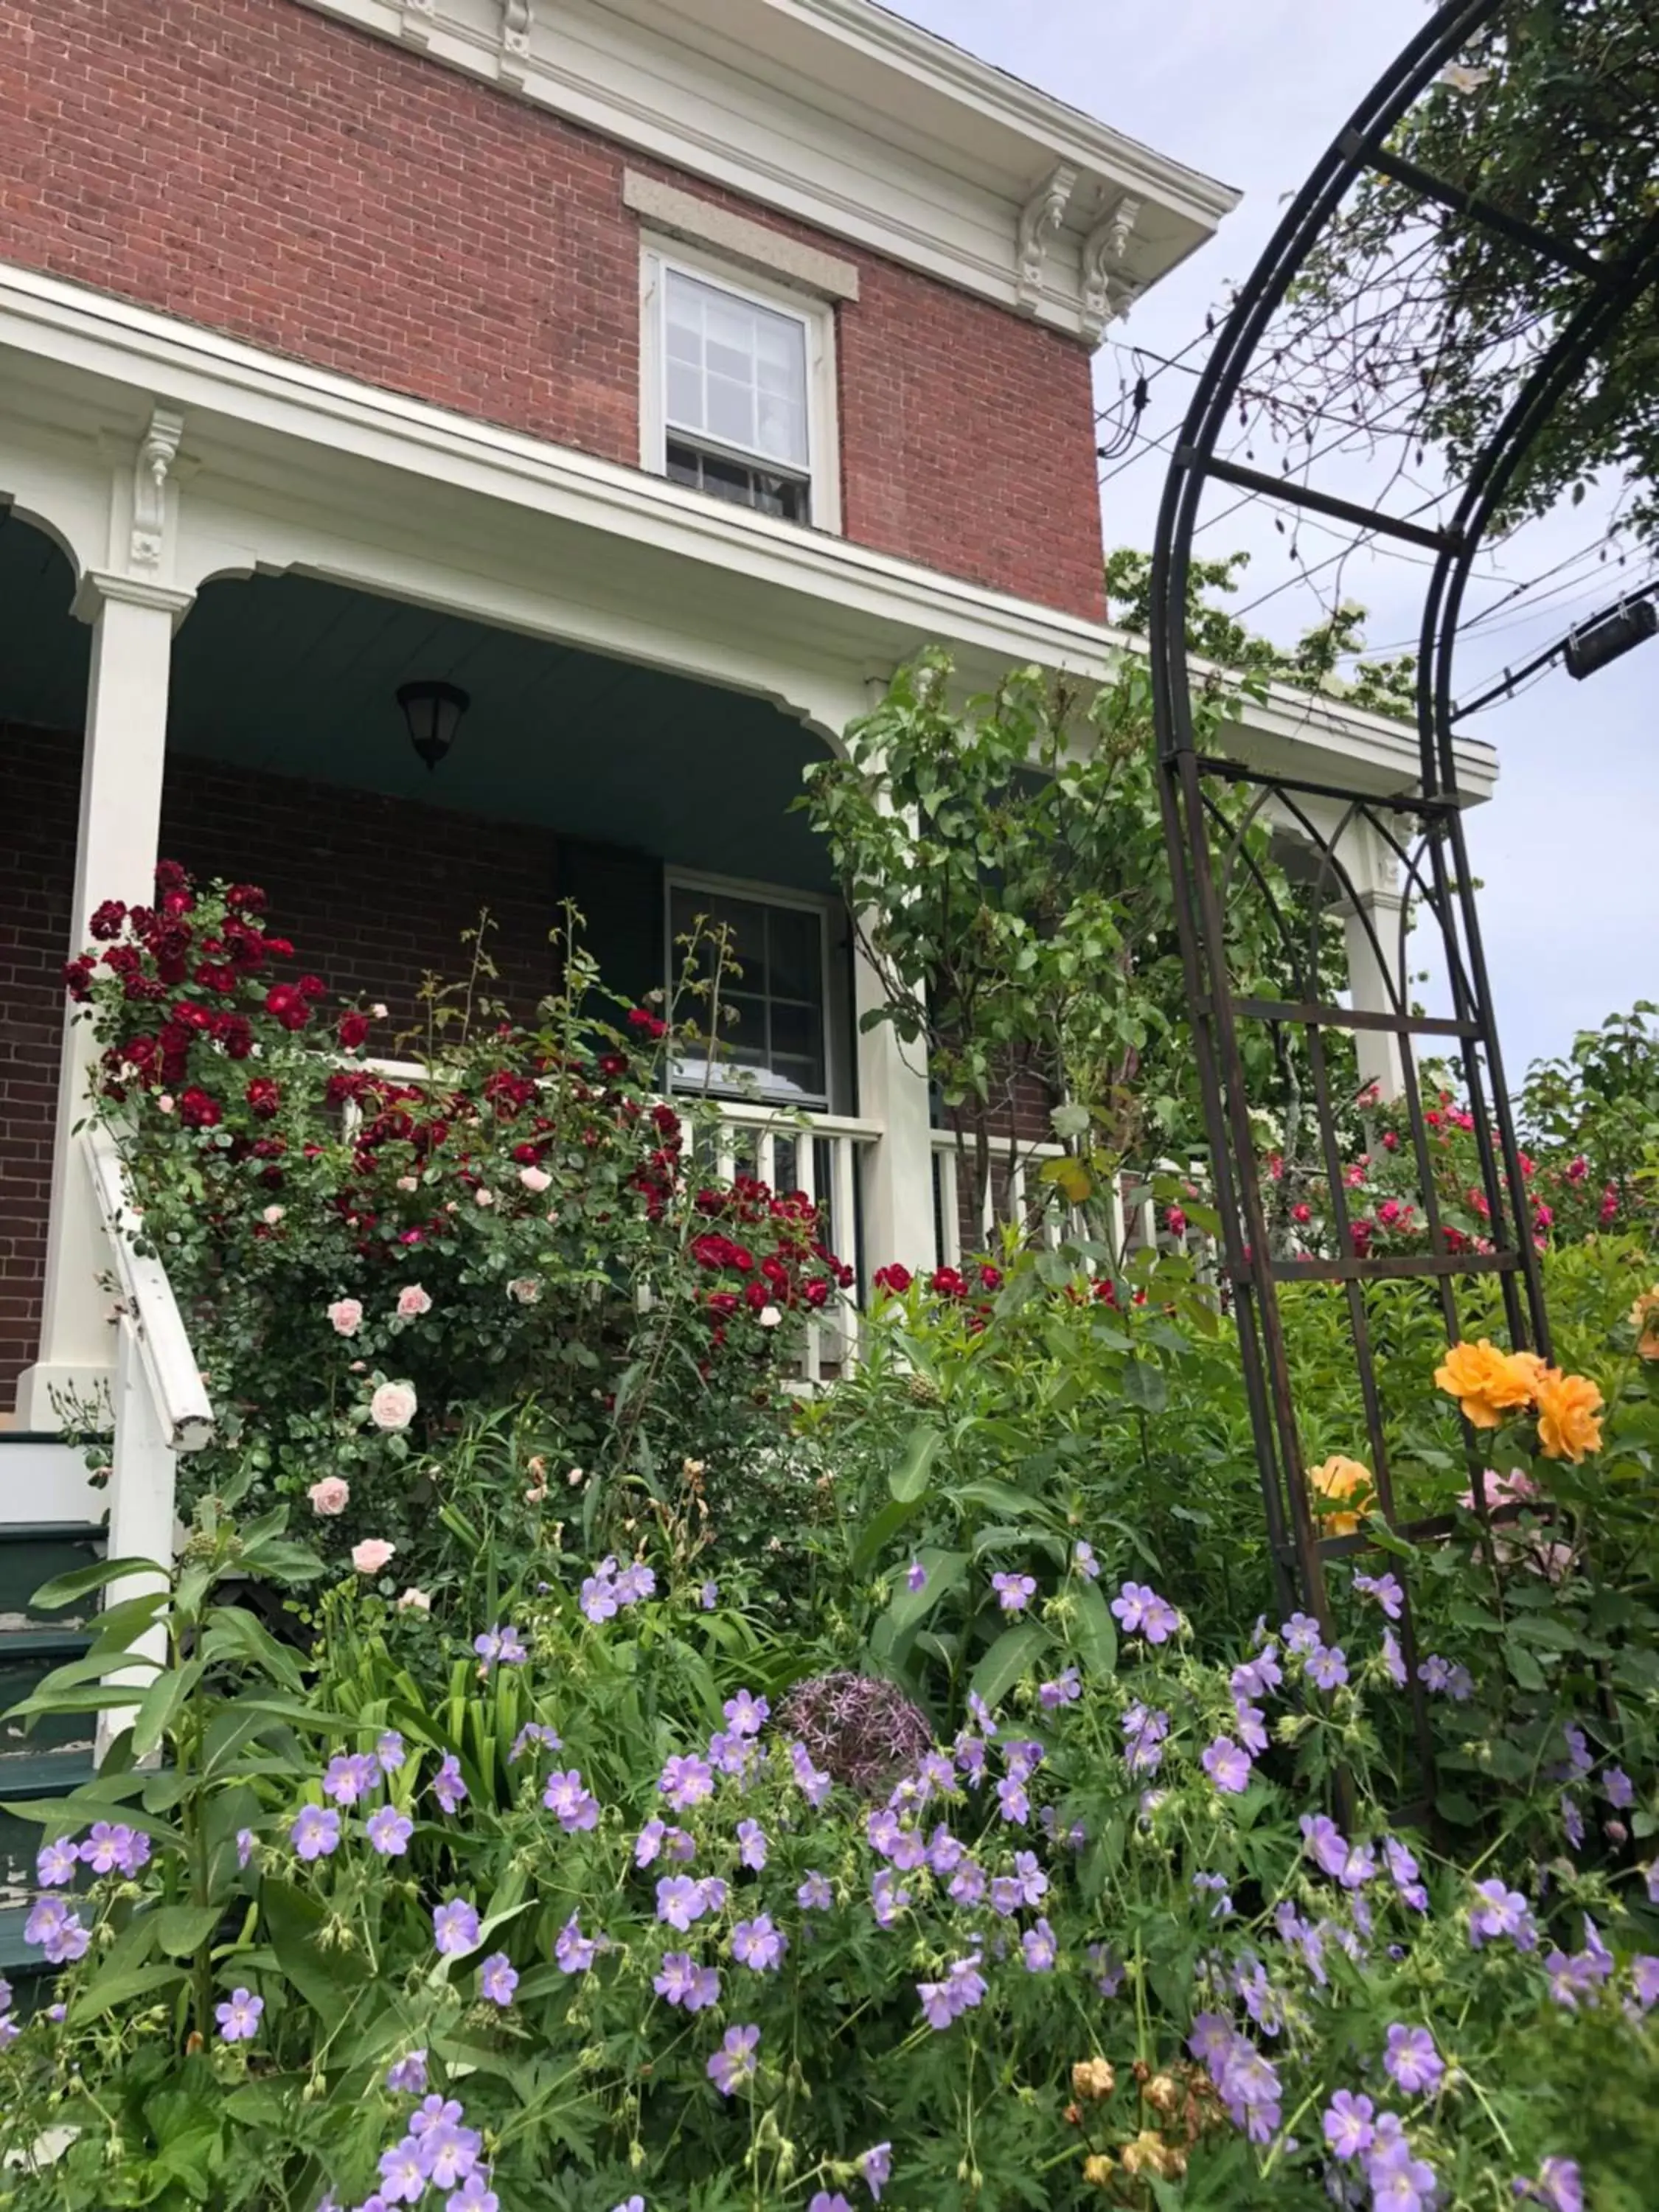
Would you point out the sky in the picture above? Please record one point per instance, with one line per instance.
(1568, 850)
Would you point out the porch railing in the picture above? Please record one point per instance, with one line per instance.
(1131, 1222)
(160, 1405)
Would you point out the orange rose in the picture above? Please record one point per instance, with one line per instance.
(1644, 1320)
(1342, 1477)
(1567, 1408)
(1486, 1382)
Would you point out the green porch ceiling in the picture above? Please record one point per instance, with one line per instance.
(299, 677)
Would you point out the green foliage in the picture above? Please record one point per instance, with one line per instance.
(1005, 863)
(1219, 638)
(1550, 116)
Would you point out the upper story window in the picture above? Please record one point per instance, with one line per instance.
(739, 389)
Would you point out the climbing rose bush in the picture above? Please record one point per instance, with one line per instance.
(365, 1253)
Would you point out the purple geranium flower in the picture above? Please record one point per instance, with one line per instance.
(1227, 1765)
(815, 1894)
(389, 1831)
(454, 1927)
(1412, 2060)
(350, 1776)
(406, 2077)
(56, 1928)
(1040, 1948)
(1347, 2124)
(1144, 1612)
(757, 1943)
(449, 2151)
(735, 2062)
(55, 1862)
(1618, 1788)
(709, 1596)
(875, 2168)
(1084, 1561)
(746, 1715)
(402, 2177)
(686, 1780)
(1065, 1690)
(574, 1952)
(1328, 1669)
(1300, 1636)
(1014, 1592)
(915, 1576)
(497, 1979)
(1500, 1912)
(572, 1804)
(751, 1845)
(239, 2016)
(1144, 1733)
(389, 1752)
(315, 1832)
(447, 1786)
(1386, 1589)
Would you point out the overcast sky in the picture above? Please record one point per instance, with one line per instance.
(1569, 849)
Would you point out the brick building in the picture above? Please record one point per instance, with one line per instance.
(657, 374)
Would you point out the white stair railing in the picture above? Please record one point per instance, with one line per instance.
(1132, 1209)
(160, 1405)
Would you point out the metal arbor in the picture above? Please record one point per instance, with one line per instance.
(1421, 829)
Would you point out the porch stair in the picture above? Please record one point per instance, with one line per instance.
(37, 1475)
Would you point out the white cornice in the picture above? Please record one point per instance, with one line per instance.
(74, 358)
(842, 115)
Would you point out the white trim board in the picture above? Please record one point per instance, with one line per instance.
(77, 367)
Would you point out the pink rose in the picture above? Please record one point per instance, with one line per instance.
(483, 1198)
(415, 1601)
(347, 1316)
(535, 1179)
(412, 1300)
(372, 1554)
(330, 1496)
(392, 1406)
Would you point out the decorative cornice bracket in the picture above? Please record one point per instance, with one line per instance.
(158, 451)
(1040, 222)
(518, 22)
(1108, 289)
(420, 20)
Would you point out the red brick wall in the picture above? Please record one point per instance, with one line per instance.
(373, 891)
(249, 165)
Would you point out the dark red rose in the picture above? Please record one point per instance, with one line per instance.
(742, 1259)
(816, 1291)
(216, 975)
(170, 877)
(648, 1024)
(279, 948)
(107, 918)
(353, 1030)
(284, 1004)
(264, 1098)
(721, 1302)
(77, 978)
(666, 1120)
(612, 1063)
(895, 1278)
(947, 1283)
(990, 1278)
(756, 1295)
(311, 986)
(246, 898)
(1361, 1232)
(199, 1110)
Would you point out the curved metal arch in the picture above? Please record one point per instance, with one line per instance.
(1432, 850)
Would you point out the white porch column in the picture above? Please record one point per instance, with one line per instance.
(898, 1171)
(1370, 929)
(132, 623)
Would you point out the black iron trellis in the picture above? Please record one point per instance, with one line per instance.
(1421, 829)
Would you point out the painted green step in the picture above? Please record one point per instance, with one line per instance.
(27, 1655)
(29, 1777)
(31, 1554)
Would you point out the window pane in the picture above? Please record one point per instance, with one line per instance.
(795, 946)
(754, 395)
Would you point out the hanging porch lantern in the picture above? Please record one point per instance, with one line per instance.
(433, 712)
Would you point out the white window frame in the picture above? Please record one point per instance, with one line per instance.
(658, 256)
(740, 1082)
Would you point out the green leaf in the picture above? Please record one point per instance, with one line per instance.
(328, 1980)
(182, 1929)
(1144, 1386)
(63, 1589)
(232, 1629)
(946, 1572)
(1008, 1661)
(1522, 1665)
(1452, 1805)
(879, 1532)
(160, 1703)
(908, 1480)
(107, 1990)
(1095, 1630)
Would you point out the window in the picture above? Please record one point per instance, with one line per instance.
(738, 378)
(773, 1041)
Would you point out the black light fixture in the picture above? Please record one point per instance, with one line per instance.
(1605, 637)
(433, 712)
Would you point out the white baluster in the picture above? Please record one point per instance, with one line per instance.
(949, 1216)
